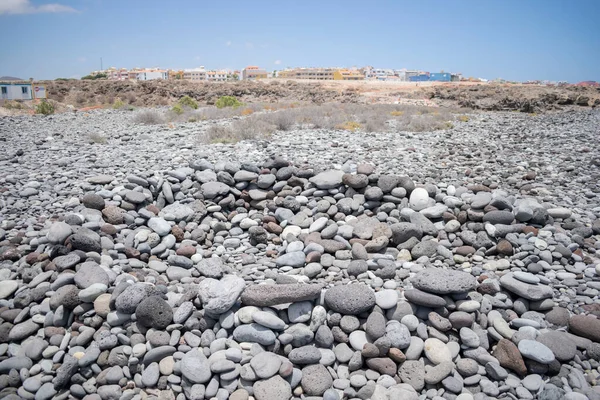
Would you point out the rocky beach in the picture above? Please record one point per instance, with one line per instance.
(320, 264)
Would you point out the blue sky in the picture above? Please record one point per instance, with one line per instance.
(517, 40)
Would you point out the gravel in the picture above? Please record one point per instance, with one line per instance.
(459, 263)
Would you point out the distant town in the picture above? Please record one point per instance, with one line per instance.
(256, 73)
(302, 73)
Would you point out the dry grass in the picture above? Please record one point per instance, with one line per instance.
(13, 105)
(351, 126)
(259, 121)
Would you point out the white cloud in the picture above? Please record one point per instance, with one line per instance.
(277, 62)
(81, 59)
(25, 7)
(228, 43)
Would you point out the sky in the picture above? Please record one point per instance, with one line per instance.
(510, 39)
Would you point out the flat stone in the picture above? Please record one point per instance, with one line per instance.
(525, 290)
(7, 288)
(254, 333)
(586, 326)
(560, 343)
(265, 364)
(422, 298)
(444, 281)
(536, 351)
(195, 367)
(328, 179)
(270, 295)
(101, 179)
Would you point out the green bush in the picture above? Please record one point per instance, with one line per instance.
(228, 101)
(44, 108)
(118, 104)
(177, 109)
(187, 101)
(94, 77)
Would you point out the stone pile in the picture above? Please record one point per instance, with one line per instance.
(234, 280)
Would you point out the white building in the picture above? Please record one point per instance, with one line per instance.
(217, 76)
(148, 75)
(15, 91)
(195, 74)
(378, 73)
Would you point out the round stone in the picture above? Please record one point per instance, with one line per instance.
(350, 299)
(154, 312)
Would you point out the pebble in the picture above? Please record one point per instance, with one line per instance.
(180, 275)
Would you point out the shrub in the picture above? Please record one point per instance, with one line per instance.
(94, 77)
(44, 108)
(397, 113)
(283, 120)
(463, 118)
(246, 112)
(193, 119)
(148, 117)
(118, 104)
(220, 134)
(375, 124)
(228, 101)
(252, 129)
(187, 101)
(177, 109)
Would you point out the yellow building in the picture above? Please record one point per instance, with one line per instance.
(348, 75)
(253, 72)
(176, 74)
(316, 74)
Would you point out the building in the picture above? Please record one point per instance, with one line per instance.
(116, 74)
(381, 74)
(15, 91)
(194, 74)
(440, 77)
(419, 78)
(217, 76)
(152, 74)
(411, 73)
(318, 74)
(176, 74)
(253, 73)
(21, 90)
(348, 75)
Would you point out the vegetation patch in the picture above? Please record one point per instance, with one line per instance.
(228, 101)
(187, 101)
(44, 108)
